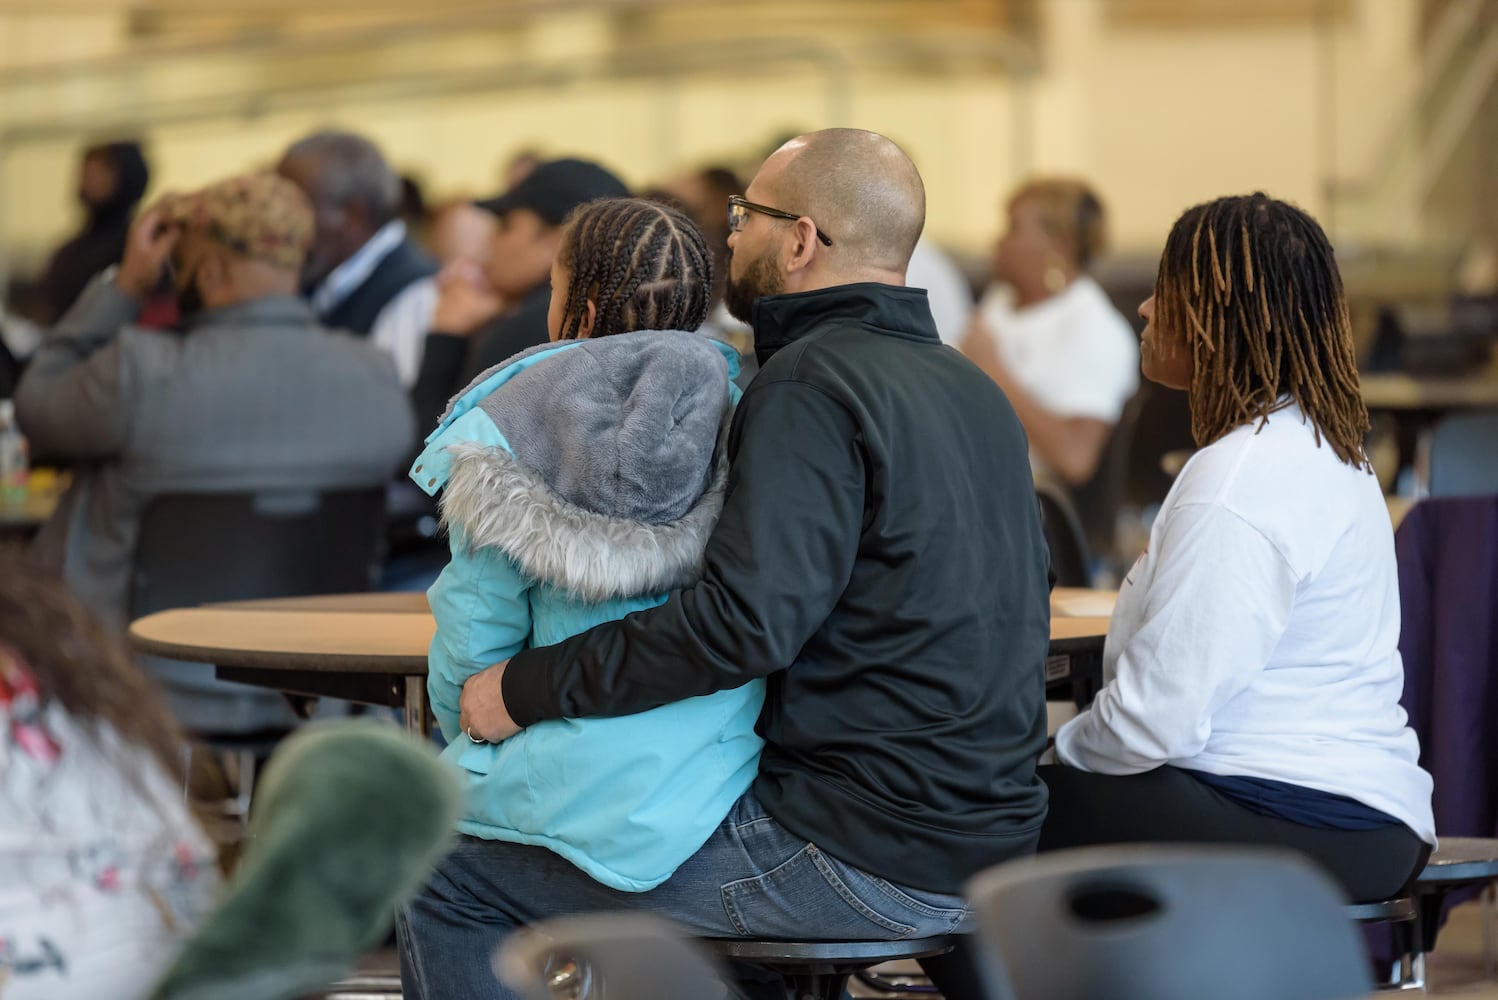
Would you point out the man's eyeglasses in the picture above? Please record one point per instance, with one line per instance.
(739, 209)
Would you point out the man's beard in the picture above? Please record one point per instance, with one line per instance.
(762, 278)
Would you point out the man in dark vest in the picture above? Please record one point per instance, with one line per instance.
(363, 274)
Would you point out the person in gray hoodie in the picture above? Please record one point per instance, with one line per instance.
(579, 482)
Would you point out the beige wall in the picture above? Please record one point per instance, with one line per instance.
(1158, 118)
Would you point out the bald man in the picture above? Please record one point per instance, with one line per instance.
(879, 559)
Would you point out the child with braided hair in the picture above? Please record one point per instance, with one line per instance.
(580, 481)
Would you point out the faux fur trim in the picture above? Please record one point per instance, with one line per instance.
(497, 502)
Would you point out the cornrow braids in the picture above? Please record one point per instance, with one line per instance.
(644, 265)
(1251, 285)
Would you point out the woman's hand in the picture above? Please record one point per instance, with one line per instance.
(481, 708)
(147, 248)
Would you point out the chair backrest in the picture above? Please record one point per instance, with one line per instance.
(636, 956)
(1097, 501)
(1464, 455)
(1156, 922)
(1162, 425)
(1070, 561)
(195, 548)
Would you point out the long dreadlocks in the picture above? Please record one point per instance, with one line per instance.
(644, 265)
(1251, 284)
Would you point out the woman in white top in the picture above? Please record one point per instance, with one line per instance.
(1049, 336)
(103, 870)
(1252, 661)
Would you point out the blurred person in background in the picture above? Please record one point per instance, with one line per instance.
(104, 871)
(255, 396)
(462, 233)
(19, 337)
(413, 209)
(483, 319)
(703, 194)
(364, 273)
(948, 292)
(111, 180)
(519, 167)
(1047, 333)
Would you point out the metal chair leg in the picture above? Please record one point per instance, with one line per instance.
(1486, 904)
(1408, 971)
(245, 780)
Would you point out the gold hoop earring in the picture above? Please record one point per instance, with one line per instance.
(1055, 279)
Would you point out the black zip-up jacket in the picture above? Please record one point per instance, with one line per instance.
(880, 560)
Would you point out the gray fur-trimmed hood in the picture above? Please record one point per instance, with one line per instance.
(613, 476)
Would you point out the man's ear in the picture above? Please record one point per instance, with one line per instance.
(804, 246)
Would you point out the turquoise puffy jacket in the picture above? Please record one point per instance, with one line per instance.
(580, 481)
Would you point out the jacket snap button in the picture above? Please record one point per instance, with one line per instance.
(431, 482)
(417, 469)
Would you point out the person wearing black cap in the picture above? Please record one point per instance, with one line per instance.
(481, 321)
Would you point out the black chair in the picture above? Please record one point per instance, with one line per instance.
(1172, 922)
(636, 956)
(1098, 500)
(1401, 916)
(820, 970)
(1070, 561)
(199, 548)
(1161, 425)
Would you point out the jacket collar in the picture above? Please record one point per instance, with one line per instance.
(890, 309)
(344, 279)
(276, 310)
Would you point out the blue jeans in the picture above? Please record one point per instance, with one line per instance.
(753, 878)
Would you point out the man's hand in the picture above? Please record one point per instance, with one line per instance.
(150, 242)
(465, 301)
(481, 708)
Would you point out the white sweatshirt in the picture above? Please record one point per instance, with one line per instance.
(104, 872)
(1258, 634)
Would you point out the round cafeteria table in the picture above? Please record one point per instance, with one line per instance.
(372, 648)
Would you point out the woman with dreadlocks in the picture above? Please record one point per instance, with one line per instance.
(580, 481)
(1252, 661)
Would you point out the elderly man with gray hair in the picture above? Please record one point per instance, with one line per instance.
(363, 273)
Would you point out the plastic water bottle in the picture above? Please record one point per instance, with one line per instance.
(14, 467)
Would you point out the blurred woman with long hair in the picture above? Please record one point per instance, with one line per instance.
(103, 868)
